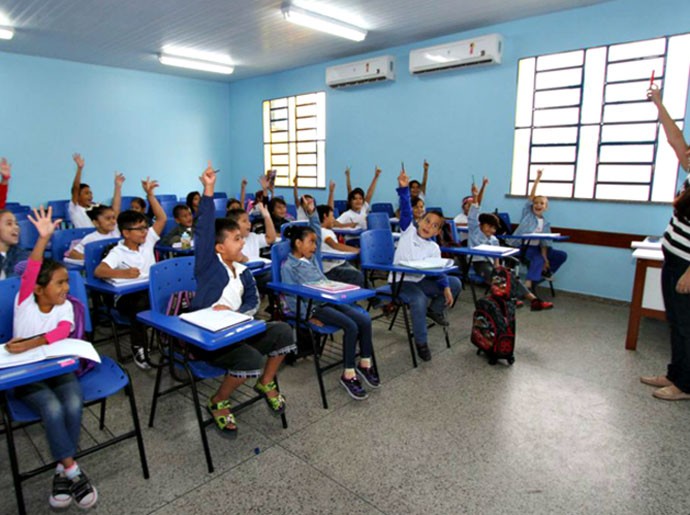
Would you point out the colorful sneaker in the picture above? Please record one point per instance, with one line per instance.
(276, 404)
(439, 318)
(61, 497)
(139, 358)
(539, 305)
(423, 352)
(83, 492)
(369, 376)
(354, 388)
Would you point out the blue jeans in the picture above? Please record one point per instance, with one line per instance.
(59, 401)
(536, 261)
(417, 296)
(678, 316)
(355, 324)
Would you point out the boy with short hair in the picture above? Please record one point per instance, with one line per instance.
(185, 222)
(82, 197)
(417, 242)
(226, 284)
(132, 257)
(336, 269)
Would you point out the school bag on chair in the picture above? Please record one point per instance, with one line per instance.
(493, 322)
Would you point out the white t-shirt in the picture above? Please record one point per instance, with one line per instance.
(301, 214)
(461, 220)
(329, 264)
(122, 257)
(30, 321)
(234, 289)
(253, 243)
(412, 247)
(95, 236)
(78, 216)
(540, 228)
(360, 218)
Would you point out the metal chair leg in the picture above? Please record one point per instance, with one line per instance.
(200, 420)
(14, 463)
(413, 350)
(129, 391)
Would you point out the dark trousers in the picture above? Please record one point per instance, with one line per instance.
(678, 316)
(129, 305)
(355, 324)
(536, 261)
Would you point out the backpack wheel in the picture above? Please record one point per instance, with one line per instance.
(511, 360)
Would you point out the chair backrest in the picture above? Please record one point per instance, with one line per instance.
(168, 277)
(453, 230)
(434, 208)
(168, 206)
(8, 291)
(126, 202)
(376, 247)
(379, 220)
(61, 240)
(292, 211)
(166, 197)
(170, 224)
(93, 254)
(16, 207)
(290, 224)
(220, 194)
(77, 289)
(220, 203)
(505, 218)
(60, 209)
(28, 235)
(340, 205)
(383, 207)
(279, 253)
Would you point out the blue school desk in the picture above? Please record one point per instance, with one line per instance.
(335, 255)
(30, 373)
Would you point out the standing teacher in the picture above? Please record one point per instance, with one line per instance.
(675, 274)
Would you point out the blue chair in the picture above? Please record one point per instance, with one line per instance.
(340, 205)
(170, 224)
(166, 278)
(103, 381)
(220, 194)
(378, 220)
(60, 210)
(290, 224)
(318, 335)
(166, 197)
(61, 241)
(169, 206)
(220, 205)
(103, 304)
(28, 235)
(292, 211)
(126, 202)
(383, 207)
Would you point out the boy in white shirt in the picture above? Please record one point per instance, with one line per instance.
(82, 198)
(357, 202)
(132, 257)
(336, 269)
(417, 242)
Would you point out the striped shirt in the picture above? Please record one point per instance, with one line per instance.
(677, 235)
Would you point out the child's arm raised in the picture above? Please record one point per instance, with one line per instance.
(150, 187)
(478, 198)
(673, 133)
(205, 232)
(331, 195)
(405, 203)
(473, 228)
(533, 191)
(117, 193)
(243, 192)
(348, 184)
(77, 177)
(425, 177)
(263, 180)
(372, 186)
(295, 192)
(268, 224)
(5, 173)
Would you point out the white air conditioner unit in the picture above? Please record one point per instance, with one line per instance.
(471, 52)
(361, 72)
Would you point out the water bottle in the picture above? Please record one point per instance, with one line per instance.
(186, 240)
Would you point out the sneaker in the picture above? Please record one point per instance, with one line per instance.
(439, 318)
(61, 497)
(369, 376)
(547, 275)
(83, 492)
(519, 303)
(354, 388)
(540, 305)
(423, 352)
(139, 358)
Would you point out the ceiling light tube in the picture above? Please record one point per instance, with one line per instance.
(195, 64)
(6, 32)
(323, 23)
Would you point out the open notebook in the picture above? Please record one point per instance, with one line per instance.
(428, 263)
(213, 320)
(496, 250)
(331, 286)
(118, 281)
(66, 347)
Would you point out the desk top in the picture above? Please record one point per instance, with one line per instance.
(171, 249)
(344, 297)
(347, 256)
(409, 270)
(348, 231)
(534, 236)
(202, 338)
(651, 254)
(120, 289)
(484, 252)
(31, 372)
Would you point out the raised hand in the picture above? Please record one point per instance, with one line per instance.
(5, 168)
(149, 185)
(377, 172)
(42, 221)
(308, 204)
(347, 171)
(244, 182)
(208, 176)
(264, 182)
(485, 181)
(78, 160)
(540, 172)
(654, 94)
(119, 179)
(403, 179)
(263, 210)
(331, 186)
(475, 190)
(426, 165)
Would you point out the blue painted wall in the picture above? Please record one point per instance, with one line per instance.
(139, 123)
(462, 122)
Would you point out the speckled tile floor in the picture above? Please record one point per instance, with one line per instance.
(567, 429)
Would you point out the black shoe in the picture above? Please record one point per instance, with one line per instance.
(423, 352)
(438, 318)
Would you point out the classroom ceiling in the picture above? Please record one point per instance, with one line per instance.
(130, 33)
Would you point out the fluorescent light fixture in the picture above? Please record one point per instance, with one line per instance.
(196, 60)
(6, 32)
(316, 21)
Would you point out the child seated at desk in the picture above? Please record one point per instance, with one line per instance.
(302, 266)
(185, 224)
(461, 219)
(482, 231)
(104, 218)
(10, 252)
(82, 197)
(415, 243)
(357, 203)
(132, 257)
(192, 201)
(42, 315)
(543, 259)
(226, 284)
(336, 269)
